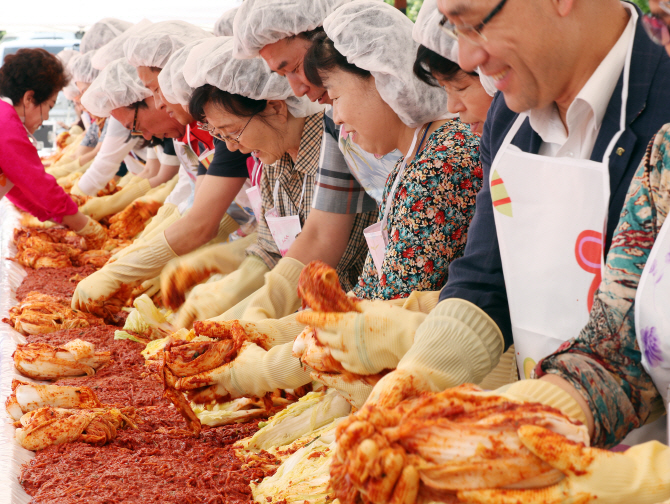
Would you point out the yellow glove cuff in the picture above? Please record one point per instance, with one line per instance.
(457, 343)
(546, 393)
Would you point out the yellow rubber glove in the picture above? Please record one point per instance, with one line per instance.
(75, 189)
(127, 179)
(254, 373)
(94, 234)
(227, 226)
(355, 392)
(457, 343)
(271, 332)
(214, 298)
(167, 215)
(149, 287)
(69, 180)
(64, 169)
(97, 208)
(368, 342)
(191, 269)
(143, 263)
(279, 296)
(641, 475)
(158, 193)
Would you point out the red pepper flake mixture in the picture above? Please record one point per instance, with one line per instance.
(53, 281)
(122, 381)
(145, 465)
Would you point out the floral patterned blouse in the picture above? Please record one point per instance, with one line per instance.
(429, 216)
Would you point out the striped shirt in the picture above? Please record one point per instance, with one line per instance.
(292, 178)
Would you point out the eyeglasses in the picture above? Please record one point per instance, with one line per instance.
(220, 136)
(134, 131)
(656, 28)
(472, 33)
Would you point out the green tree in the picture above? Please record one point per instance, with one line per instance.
(413, 7)
(642, 4)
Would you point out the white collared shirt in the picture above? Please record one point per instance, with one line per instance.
(585, 114)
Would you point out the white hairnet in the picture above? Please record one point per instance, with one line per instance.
(224, 25)
(66, 55)
(81, 69)
(212, 62)
(262, 22)
(171, 80)
(113, 49)
(154, 46)
(427, 32)
(117, 86)
(71, 91)
(377, 37)
(102, 32)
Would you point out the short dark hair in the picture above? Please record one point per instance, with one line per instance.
(429, 65)
(32, 70)
(309, 35)
(322, 57)
(235, 104)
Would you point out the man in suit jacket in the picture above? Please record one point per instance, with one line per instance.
(566, 63)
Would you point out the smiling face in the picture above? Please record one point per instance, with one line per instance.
(285, 57)
(519, 50)
(34, 114)
(362, 112)
(150, 121)
(149, 77)
(264, 134)
(468, 99)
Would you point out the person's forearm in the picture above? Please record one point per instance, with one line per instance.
(81, 150)
(325, 237)
(567, 386)
(188, 233)
(164, 173)
(75, 222)
(89, 156)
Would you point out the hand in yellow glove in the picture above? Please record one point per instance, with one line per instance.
(159, 193)
(94, 234)
(97, 208)
(265, 333)
(355, 392)
(253, 373)
(143, 263)
(457, 343)
(641, 475)
(214, 298)
(368, 342)
(191, 269)
(279, 296)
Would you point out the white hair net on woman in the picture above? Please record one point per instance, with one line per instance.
(113, 49)
(102, 32)
(81, 68)
(212, 62)
(262, 22)
(427, 32)
(171, 80)
(224, 25)
(118, 85)
(154, 46)
(377, 37)
(66, 55)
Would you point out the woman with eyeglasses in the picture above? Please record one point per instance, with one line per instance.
(29, 84)
(162, 49)
(254, 111)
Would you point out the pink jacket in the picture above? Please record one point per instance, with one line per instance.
(33, 189)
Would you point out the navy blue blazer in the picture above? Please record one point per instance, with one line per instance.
(478, 275)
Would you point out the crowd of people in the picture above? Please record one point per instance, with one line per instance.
(492, 181)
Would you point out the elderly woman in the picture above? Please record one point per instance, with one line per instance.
(171, 234)
(255, 112)
(29, 83)
(429, 197)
